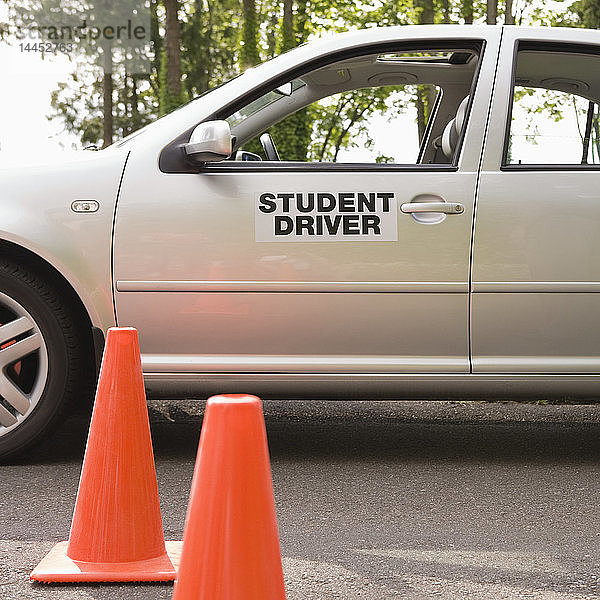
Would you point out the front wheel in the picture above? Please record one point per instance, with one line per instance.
(41, 357)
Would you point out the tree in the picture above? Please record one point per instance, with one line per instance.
(92, 28)
(288, 38)
(198, 44)
(341, 120)
(466, 11)
(171, 91)
(492, 12)
(292, 136)
(425, 96)
(446, 11)
(509, 18)
(588, 12)
(211, 32)
(78, 103)
(107, 96)
(250, 55)
(424, 11)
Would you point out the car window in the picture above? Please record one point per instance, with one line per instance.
(403, 107)
(371, 125)
(554, 115)
(265, 100)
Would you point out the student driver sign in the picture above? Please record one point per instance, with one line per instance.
(326, 217)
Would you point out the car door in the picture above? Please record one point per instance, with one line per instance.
(214, 287)
(536, 274)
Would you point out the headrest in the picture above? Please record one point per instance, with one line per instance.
(454, 129)
(449, 139)
(461, 113)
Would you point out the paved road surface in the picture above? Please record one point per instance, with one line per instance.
(375, 500)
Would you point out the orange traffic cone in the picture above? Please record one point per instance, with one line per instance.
(230, 541)
(117, 533)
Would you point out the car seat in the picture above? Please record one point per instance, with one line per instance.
(454, 129)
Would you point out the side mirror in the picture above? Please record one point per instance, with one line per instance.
(210, 142)
(244, 155)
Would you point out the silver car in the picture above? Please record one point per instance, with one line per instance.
(460, 260)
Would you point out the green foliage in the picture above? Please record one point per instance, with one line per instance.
(551, 103)
(288, 35)
(467, 11)
(340, 120)
(555, 106)
(588, 13)
(424, 11)
(210, 36)
(78, 103)
(249, 55)
(292, 136)
(547, 16)
(220, 38)
(168, 99)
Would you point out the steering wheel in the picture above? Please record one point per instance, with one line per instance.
(269, 147)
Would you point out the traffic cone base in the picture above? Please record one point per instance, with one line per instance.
(57, 567)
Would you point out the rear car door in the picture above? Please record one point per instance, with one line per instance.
(536, 273)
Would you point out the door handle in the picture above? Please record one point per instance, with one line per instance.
(448, 208)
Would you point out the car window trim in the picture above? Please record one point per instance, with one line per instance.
(229, 166)
(550, 167)
(172, 158)
(432, 116)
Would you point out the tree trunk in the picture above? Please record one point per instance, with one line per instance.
(446, 11)
(107, 100)
(425, 14)
(424, 11)
(157, 41)
(206, 72)
(354, 117)
(293, 134)
(272, 35)
(466, 10)
(249, 55)
(509, 18)
(342, 102)
(287, 26)
(173, 47)
(492, 12)
(135, 113)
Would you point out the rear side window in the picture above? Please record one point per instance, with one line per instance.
(554, 117)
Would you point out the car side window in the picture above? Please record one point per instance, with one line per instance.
(405, 107)
(368, 125)
(554, 114)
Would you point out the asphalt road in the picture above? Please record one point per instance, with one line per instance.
(375, 500)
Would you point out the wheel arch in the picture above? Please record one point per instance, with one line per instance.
(93, 336)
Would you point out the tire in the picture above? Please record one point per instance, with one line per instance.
(42, 357)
